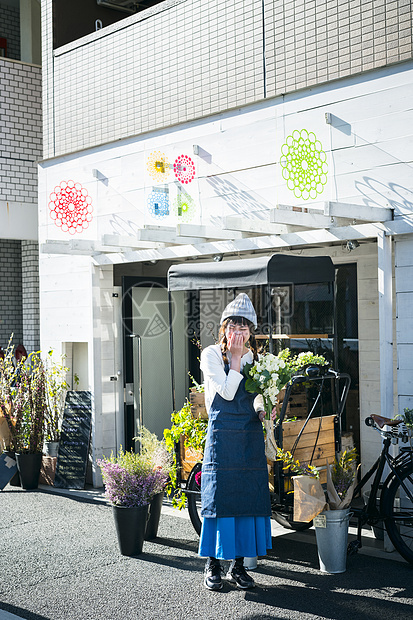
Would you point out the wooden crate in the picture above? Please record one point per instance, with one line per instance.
(297, 404)
(197, 400)
(189, 458)
(326, 445)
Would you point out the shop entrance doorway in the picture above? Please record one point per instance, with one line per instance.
(148, 385)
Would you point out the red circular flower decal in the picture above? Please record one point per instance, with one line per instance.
(184, 169)
(71, 207)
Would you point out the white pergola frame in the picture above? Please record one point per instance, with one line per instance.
(186, 242)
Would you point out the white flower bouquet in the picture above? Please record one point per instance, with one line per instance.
(267, 377)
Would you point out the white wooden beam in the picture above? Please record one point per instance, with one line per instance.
(130, 242)
(305, 219)
(385, 286)
(358, 212)
(81, 247)
(207, 232)
(268, 243)
(166, 236)
(258, 227)
(18, 220)
(384, 253)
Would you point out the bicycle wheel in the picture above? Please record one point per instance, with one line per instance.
(397, 509)
(194, 499)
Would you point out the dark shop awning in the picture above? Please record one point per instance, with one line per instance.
(278, 269)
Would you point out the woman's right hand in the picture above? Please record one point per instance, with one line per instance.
(274, 413)
(235, 344)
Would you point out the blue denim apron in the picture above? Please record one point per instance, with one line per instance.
(234, 479)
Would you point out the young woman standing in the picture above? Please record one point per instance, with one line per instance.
(236, 505)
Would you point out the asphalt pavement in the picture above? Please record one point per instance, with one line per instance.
(59, 560)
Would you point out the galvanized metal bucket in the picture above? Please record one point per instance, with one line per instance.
(331, 528)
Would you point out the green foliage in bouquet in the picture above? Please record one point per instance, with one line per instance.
(294, 466)
(343, 472)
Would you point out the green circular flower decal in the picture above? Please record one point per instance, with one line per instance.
(184, 207)
(304, 164)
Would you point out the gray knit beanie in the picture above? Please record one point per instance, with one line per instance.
(241, 306)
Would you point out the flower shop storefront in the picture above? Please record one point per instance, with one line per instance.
(295, 299)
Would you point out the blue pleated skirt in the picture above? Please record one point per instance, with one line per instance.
(227, 538)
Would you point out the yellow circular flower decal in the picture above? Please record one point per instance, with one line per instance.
(304, 164)
(158, 166)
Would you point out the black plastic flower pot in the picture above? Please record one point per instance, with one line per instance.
(28, 466)
(155, 508)
(130, 528)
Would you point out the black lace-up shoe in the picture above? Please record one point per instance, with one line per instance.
(237, 573)
(213, 570)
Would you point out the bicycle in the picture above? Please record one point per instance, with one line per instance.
(396, 492)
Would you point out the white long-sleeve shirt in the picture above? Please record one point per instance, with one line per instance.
(217, 381)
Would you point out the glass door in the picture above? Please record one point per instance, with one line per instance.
(148, 370)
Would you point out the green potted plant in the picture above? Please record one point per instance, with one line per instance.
(188, 434)
(56, 388)
(130, 484)
(23, 405)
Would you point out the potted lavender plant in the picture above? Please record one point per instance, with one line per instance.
(154, 451)
(130, 484)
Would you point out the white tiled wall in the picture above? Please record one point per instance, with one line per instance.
(20, 130)
(10, 288)
(187, 59)
(30, 295)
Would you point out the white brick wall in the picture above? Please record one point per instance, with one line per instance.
(20, 130)
(404, 320)
(10, 29)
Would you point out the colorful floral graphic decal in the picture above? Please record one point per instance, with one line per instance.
(71, 207)
(158, 166)
(184, 207)
(158, 204)
(304, 164)
(184, 169)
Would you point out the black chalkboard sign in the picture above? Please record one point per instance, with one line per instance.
(74, 441)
